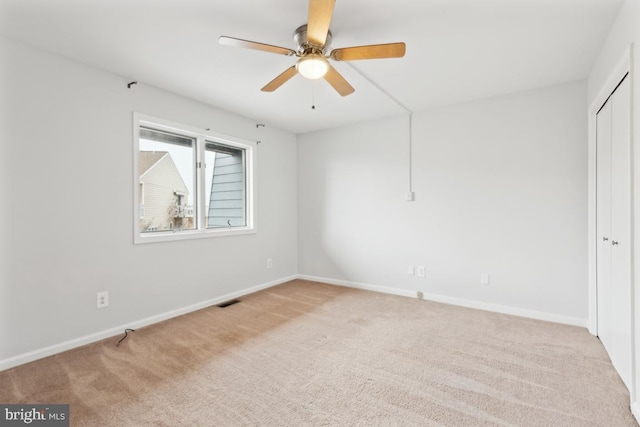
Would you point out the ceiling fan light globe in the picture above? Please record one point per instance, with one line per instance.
(312, 67)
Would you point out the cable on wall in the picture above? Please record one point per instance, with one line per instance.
(410, 194)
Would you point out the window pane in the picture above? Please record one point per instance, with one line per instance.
(225, 184)
(166, 166)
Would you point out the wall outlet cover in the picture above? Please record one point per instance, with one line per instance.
(484, 278)
(102, 299)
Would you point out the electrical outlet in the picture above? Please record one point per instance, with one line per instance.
(420, 295)
(484, 278)
(411, 270)
(269, 263)
(102, 299)
(421, 271)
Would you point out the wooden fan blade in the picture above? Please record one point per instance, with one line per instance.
(231, 41)
(320, 12)
(374, 51)
(338, 82)
(280, 80)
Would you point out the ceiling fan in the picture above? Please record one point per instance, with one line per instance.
(313, 40)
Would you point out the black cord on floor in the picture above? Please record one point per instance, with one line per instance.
(126, 331)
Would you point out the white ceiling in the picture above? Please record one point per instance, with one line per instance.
(457, 50)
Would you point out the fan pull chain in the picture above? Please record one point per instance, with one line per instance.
(313, 96)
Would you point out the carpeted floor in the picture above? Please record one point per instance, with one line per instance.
(306, 353)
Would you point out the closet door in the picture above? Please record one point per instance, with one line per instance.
(621, 227)
(614, 229)
(603, 226)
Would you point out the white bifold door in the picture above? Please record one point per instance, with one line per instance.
(613, 228)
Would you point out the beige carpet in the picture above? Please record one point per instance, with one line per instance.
(305, 353)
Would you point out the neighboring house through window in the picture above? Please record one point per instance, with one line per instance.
(161, 180)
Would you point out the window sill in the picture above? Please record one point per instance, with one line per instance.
(168, 236)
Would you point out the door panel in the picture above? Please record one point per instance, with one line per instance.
(603, 227)
(613, 228)
(621, 229)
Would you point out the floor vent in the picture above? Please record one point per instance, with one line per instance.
(228, 303)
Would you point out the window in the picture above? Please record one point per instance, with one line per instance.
(226, 200)
(190, 183)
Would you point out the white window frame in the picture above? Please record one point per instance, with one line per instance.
(201, 136)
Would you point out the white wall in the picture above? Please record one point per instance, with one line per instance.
(66, 132)
(623, 38)
(501, 188)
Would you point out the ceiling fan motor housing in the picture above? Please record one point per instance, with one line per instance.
(300, 37)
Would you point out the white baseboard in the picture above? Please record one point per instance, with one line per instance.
(496, 308)
(635, 410)
(88, 339)
(356, 285)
